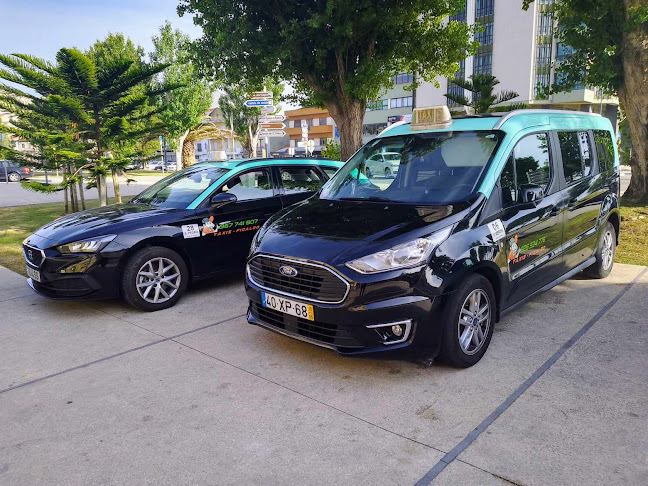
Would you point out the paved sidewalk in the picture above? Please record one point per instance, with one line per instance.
(97, 393)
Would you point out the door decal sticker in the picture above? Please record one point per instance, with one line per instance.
(497, 230)
(190, 231)
(228, 227)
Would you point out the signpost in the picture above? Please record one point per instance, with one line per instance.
(304, 127)
(271, 118)
(258, 103)
(271, 132)
(262, 95)
(278, 126)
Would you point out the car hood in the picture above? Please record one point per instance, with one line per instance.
(107, 220)
(326, 230)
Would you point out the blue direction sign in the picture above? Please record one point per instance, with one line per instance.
(252, 103)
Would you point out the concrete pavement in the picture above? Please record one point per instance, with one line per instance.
(97, 393)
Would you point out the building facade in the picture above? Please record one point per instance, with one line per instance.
(212, 149)
(319, 122)
(395, 103)
(519, 48)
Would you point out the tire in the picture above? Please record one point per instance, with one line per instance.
(368, 173)
(459, 322)
(388, 172)
(14, 177)
(605, 251)
(144, 267)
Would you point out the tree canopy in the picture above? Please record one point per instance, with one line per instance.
(337, 53)
(609, 39)
(483, 98)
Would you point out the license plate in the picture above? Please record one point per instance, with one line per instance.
(288, 306)
(33, 274)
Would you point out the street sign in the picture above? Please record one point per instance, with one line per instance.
(262, 95)
(278, 126)
(258, 103)
(311, 146)
(272, 119)
(267, 110)
(271, 133)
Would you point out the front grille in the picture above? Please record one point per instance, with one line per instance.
(323, 332)
(311, 282)
(33, 255)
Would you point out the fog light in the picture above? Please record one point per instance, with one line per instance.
(397, 330)
(80, 266)
(393, 332)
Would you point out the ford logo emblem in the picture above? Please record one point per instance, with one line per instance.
(288, 271)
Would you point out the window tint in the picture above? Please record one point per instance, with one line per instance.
(528, 164)
(604, 149)
(300, 179)
(576, 155)
(251, 185)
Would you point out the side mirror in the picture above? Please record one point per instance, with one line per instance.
(221, 199)
(530, 194)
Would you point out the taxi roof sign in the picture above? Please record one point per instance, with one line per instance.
(431, 117)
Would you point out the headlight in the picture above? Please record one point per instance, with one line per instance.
(91, 245)
(407, 254)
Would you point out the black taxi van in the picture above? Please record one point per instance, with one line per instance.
(482, 213)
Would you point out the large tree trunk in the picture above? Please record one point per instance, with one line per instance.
(348, 116)
(115, 178)
(188, 152)
(102, 190)
(633, 96)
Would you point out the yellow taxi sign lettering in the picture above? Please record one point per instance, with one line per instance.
(430, 117)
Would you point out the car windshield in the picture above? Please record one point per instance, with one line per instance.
(180, 189)
(426, 168)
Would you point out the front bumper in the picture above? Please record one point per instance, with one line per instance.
(100, 281)
(349, 328)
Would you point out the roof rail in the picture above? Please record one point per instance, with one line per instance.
(540, 111)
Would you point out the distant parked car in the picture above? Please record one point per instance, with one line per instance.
(383, 164)
(13, 172)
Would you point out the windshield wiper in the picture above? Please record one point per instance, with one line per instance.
(369, 198)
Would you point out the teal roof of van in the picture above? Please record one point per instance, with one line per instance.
(513, 122)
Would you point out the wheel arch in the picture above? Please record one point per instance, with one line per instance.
(615, 219)
(164, 241)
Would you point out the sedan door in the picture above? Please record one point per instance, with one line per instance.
(226, 232)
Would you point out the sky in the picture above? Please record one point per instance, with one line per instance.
(42, 27)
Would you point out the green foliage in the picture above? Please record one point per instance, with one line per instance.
(184, 107)
(483, 98)
(331, 150)
(113, 48)
(335, 53)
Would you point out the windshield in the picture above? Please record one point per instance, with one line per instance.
(426, 168)
(180, 189)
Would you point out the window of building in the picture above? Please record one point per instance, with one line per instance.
(251, 185)
(576, 155)
(460, 16)
(403, 78)
(483, 63)
(372, 129)
(199, 147)
(300, 179)
(563, 51)
(484, 8)
(543, 55)
(401, 102)
(545, 23)
(604, 149)
(528, 164)
(541, 82)
(485, 35)
(322, 121)
(378, 105)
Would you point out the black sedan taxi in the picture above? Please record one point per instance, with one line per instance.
(480, 214)
(194, 224)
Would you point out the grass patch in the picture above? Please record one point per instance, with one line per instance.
(633, 238)
(146, 173)
(18, 222)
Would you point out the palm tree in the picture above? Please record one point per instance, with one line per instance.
(90, 110)
(199, 132)
(483, 98)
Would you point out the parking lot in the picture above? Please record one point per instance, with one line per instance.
(97, 393)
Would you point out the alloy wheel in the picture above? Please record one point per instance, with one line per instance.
(13, 177)
(158, 280)
(474, 322)
(607, 252)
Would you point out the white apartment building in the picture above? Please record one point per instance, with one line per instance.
(518, 47)
(391, 107)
